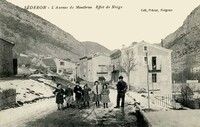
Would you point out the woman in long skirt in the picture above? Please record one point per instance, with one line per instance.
(86, 96)
(69, 96)
(105, 95)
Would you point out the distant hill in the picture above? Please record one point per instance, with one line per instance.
(35, 36)
(185, 42)
(94, 47)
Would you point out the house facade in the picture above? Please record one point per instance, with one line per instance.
(6, 58)
(153, 65)
(67, 68)
(115, 59)
(99, 66)
(84, 67)
(93, 67)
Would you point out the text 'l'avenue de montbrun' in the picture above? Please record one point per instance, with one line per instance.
(98, 7)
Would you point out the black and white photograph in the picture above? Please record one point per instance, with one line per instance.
(99, 63)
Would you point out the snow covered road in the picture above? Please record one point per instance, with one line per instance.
(17, 117)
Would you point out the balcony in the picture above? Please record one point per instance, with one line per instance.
(102, 72)
(155, 68)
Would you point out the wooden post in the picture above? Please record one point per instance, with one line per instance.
(148, 81)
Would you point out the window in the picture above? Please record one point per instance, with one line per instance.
(145, 48)
(145, 60)
(132, 53)
(59, 71)
(154, 78)
(154, 63)
(101, 65)
(102, 68)
(62, 63)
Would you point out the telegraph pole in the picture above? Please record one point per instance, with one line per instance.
(148, 81)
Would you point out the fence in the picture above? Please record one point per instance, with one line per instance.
(165, 101)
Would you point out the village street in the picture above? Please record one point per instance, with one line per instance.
(44, 113)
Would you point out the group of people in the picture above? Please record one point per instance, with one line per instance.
(98, 94)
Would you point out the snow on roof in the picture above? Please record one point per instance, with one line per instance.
(49, 62)
(115, 52)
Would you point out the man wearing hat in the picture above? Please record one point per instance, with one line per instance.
(121, 90)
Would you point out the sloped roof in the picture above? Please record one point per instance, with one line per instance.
(49, 62)
(115, 52)
(152, 45)
(12, 43)
(84, 57)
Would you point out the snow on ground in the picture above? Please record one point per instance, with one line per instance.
(174, 118)
(144, 101)
(27, 89)
(41, 108)
(17, 117)
(47, 81)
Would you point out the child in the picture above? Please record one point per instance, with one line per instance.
(59, 92)
(78, 94)
(69, 96)
(97, 90)
(105, 95)
(86, 96)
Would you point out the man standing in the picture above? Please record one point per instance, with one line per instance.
(121, 90)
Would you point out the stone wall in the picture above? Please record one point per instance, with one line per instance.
(7, 98)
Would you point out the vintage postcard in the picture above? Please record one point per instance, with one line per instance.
(99, 63)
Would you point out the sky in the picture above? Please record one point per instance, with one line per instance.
(114, 27)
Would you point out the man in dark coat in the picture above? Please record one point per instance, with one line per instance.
(78, 94)
(121, 90)
(59, 92)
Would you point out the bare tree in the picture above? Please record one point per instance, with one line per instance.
(127, 63)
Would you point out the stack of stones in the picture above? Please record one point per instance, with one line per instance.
(7, 98)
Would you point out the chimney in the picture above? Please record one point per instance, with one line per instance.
(123, 46)
(133, 43)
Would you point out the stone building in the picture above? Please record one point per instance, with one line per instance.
(159, 72)
(99, 66)
(68, 68)
(6, 58)
(93, 67)
(84, 67)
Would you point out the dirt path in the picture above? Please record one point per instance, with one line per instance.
(91, 117)
(45, 114)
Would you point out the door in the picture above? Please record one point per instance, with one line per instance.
(15, 66)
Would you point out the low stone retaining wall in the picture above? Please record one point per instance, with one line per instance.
(194, 104)
(7, 98)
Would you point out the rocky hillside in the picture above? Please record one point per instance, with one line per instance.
(185, 41)
(35, 36)
(93, 47)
